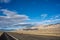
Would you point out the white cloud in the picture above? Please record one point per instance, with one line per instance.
(52, 20)
(55, 17)
(11, 18)
(5, 1)
(44, 16)
(46, 22)
(8, 12)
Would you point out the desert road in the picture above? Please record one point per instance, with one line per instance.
(16, 36)
(6, 36)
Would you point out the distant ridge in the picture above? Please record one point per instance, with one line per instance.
(6, 36)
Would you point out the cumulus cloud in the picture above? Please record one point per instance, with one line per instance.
(5, 1)
(24, 24)
(11, 18)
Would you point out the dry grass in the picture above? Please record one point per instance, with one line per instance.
(1, 33)
(50, 30)
(41, 32)
(30, 35)
(33, 37)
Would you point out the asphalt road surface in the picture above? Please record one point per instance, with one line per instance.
(6, 36)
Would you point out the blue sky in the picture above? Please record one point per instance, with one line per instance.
(34, 11)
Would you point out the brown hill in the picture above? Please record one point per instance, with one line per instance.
(52, 30)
